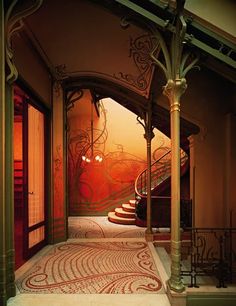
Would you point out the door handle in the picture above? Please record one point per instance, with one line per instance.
(30, 192)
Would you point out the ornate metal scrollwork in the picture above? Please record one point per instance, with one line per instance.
(13, 23)
(59, 74)
(212, 254)
(176, 63)
(73, 97)
(140, 49)
(147, 129)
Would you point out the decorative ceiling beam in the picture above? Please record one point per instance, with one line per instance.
(143, 12)
(217, 53)
(208, 41)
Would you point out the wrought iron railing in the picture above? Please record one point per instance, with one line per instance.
(160, 171)
(211, 253)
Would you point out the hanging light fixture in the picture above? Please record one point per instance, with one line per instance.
(91, 158)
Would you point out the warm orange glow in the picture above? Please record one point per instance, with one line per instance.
(17, 140)
(102, 175)
(35, 165)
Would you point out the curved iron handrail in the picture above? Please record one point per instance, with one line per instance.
(159, 173)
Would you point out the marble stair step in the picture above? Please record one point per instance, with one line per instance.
(127, 207)
(112, 217)
(132, 202)
(120, 212)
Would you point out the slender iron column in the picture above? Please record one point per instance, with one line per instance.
(175, 66)
(174, 90)
(148, 136)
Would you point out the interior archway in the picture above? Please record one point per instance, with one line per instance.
(83, 180)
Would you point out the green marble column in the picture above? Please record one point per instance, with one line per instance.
(3, 293)
(7, 261)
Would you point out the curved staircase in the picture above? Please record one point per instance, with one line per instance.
(124, 214)
(134, 212)
(161, 203)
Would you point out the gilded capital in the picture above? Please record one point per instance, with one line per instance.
(174, 90)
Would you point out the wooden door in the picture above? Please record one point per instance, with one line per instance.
(34, 179)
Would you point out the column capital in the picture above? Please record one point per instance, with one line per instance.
(174, 90)
(148, 135)
(147, 126)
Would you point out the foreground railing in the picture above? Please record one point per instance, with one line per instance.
(212, 253)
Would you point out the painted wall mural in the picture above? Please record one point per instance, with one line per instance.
(105, 155)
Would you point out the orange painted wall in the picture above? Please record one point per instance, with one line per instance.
(96, 188)
(17, 140)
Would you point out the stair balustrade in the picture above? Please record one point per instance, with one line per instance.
(160, 180)
(160, 176)
(160, 172)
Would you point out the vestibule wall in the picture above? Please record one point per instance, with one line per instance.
(32, 69)
(34, 75)
(97, 187)
(206, 103)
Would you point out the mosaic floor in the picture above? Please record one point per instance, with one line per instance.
(99, 259)
(94, 267)
(100, 227)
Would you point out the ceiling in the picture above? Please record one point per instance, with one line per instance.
(110, 40)
(78, 35)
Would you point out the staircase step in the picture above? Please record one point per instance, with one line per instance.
(132, 202)
(120, 212)
(112, 217)
(128, 207)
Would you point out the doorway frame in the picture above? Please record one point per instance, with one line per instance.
(37, 102)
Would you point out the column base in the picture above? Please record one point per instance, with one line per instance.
(176, 286)
(176, 298)
(149, 235)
